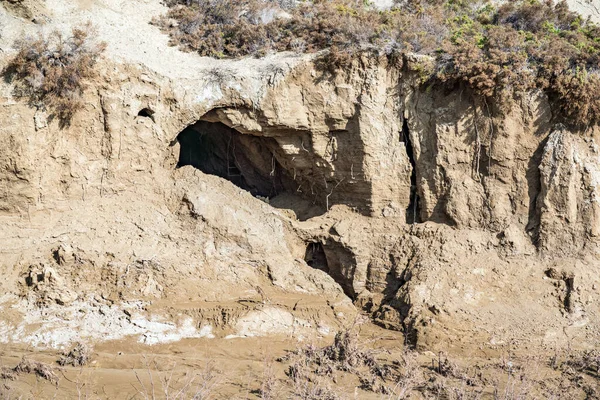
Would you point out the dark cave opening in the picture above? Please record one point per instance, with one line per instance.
(334, 259)
(146, 113)
(247, 161)
(413, 211)
(315, 256)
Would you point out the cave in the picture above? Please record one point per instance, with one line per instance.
(334, 259)
(247, 161)
(256, 164)
(146, 113)
(315, 256)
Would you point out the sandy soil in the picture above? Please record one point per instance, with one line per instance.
(259, 368)
(232, 368)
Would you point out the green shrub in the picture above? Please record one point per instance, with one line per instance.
(530, 45)
(51, 71)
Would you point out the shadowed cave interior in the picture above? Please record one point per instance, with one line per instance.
(249, 162)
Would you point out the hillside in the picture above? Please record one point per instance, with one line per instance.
(222, 220)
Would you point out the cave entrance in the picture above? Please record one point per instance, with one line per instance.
(253, 163)
(315, 257)
(412, 211)
(247, 161)
(336, 260)
(146, 113)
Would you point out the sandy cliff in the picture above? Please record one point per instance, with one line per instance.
(200, 198)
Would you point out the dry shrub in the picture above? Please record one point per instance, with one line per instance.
(525, 45)
(52, 71)
(585, 361)
(7, 374)
(311, 365)
(78, 356)
(312, 368)
(220, 28)
(576, 94)
(346, 353)
(40, 369)
(517, 387)
(269, 388)
(497, 50)
(231, 28)
(198, 384)
(451, 382)
(408, 375)
(307, 384)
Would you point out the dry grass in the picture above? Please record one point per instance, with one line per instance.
(52, 71)
(166, 384)
(40, 369)
(269, 388)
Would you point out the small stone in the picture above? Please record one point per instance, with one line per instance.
(41, 120)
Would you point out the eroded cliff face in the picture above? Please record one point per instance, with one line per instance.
(263, 197)
(337, 137)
